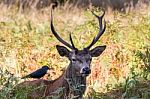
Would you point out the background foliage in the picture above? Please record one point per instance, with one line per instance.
(122, 71)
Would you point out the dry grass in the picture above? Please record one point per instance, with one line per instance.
(26, 44)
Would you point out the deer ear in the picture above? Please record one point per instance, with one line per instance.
(63, 51)
(95, 52)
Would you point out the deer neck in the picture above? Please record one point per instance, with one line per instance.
(74, 77)
(76, 82)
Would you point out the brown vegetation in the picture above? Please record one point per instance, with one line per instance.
(26, 44)
(120, 5)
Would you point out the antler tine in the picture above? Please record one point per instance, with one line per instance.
(101, 30)
(72, 42)
(99, 18)
(56, 34)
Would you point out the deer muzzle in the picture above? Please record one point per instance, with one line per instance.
(85, 71)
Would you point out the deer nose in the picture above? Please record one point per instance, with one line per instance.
(86, 70)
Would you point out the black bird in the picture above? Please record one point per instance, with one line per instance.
(38, 73)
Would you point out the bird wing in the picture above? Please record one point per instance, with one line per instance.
(36, 74)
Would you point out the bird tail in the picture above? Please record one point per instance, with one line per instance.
(27, 76)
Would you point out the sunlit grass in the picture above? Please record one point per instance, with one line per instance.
(26, 44)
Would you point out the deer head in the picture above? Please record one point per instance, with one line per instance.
(80, 60)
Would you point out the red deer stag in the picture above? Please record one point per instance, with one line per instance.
(72, 83)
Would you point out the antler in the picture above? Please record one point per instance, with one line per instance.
(58, 37)
(72, 42)
(95, 39)
(101, 30)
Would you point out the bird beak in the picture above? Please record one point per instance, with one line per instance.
(48, 71)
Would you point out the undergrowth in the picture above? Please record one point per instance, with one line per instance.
(122, 71)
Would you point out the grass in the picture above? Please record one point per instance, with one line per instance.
(122, 71)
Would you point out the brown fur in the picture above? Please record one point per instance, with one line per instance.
(65, 86)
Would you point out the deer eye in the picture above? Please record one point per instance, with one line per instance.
(89, 60)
